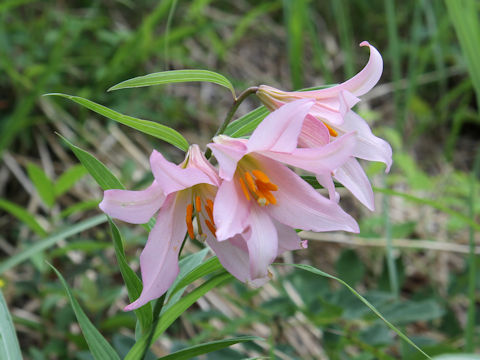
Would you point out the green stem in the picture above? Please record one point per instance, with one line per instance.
(156, 317)
(236, 103)
(392, 269)
(470, 329)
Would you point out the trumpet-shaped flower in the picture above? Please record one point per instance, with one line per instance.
(178, 193)
(331, 116)
(262, 199)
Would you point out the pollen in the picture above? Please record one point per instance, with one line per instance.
(331, 130)
(257, 185)
(189, 222)
(198, 204)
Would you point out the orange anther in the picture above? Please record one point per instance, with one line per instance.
(260, 175)
(266, 186)
(271, 199)
(198, 204)
(210, 226)
(209, 209)
(188, 220)
(331, 131)
(244, 189)
(251, 182)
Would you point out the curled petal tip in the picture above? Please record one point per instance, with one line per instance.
(364, 43)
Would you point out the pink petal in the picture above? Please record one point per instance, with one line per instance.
(366, 79)
(368, 146)
(230, 210)
(301, 207)
(280, 129)
(314, 133)
(352, 176)
(196, 159)
(159, 258)
(262, 242)
(136, 207)
(325, 179)
(228, 152)
(319, 160)
(173, 178)
(288, 239)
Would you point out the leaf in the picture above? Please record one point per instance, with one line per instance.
(99, 347)
(69, 178)
(457, 357)
(9, 347)
(247, 123)
(50, 241)
(361, 298)
(175, 76)
(44, 186)
(157, 130)
(187, 265)
(175, 311)
(133, 283)
(200, 349)
(23, 215)
(102, 175)
(206, 268)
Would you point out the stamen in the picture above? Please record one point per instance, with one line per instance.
(244, 189)
(209, 209)
(251, 182)
(210, 226)
(198, 204)
(262, 201)
(331, 131)
(271, 199)
(260, 175)
(188, 220)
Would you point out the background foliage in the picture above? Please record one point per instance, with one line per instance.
(414, 259)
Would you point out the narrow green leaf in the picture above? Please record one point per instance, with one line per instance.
(196, 350)
(188, 264)
(247, 123)
(206, 268)
(157, 130)
(9, 347)
(175, 311)
(23, 215)
(431, 203)
(362, 299)
(99, 347)
(50, 241)
(133, 283)
(102, 175)
(44, 186)
(69, 178)
(175, 76)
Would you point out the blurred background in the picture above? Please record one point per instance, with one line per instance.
(411, 259)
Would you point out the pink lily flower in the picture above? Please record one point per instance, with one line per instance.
(178, 193)
(331, 116)
(263, 200)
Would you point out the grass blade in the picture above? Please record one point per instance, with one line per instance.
(99, 347)
(132, 282)
(50, 241)
(196, 350)
(175, 76)
(362, 299)
(154, 129)
(69, 178)
(44, 186)
(9, 347)
(175, 311)
(23, 215)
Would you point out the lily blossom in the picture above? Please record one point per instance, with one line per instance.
(331, 117)
(263, 200)
(178, 193)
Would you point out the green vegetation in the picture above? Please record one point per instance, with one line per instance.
(414, 261)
